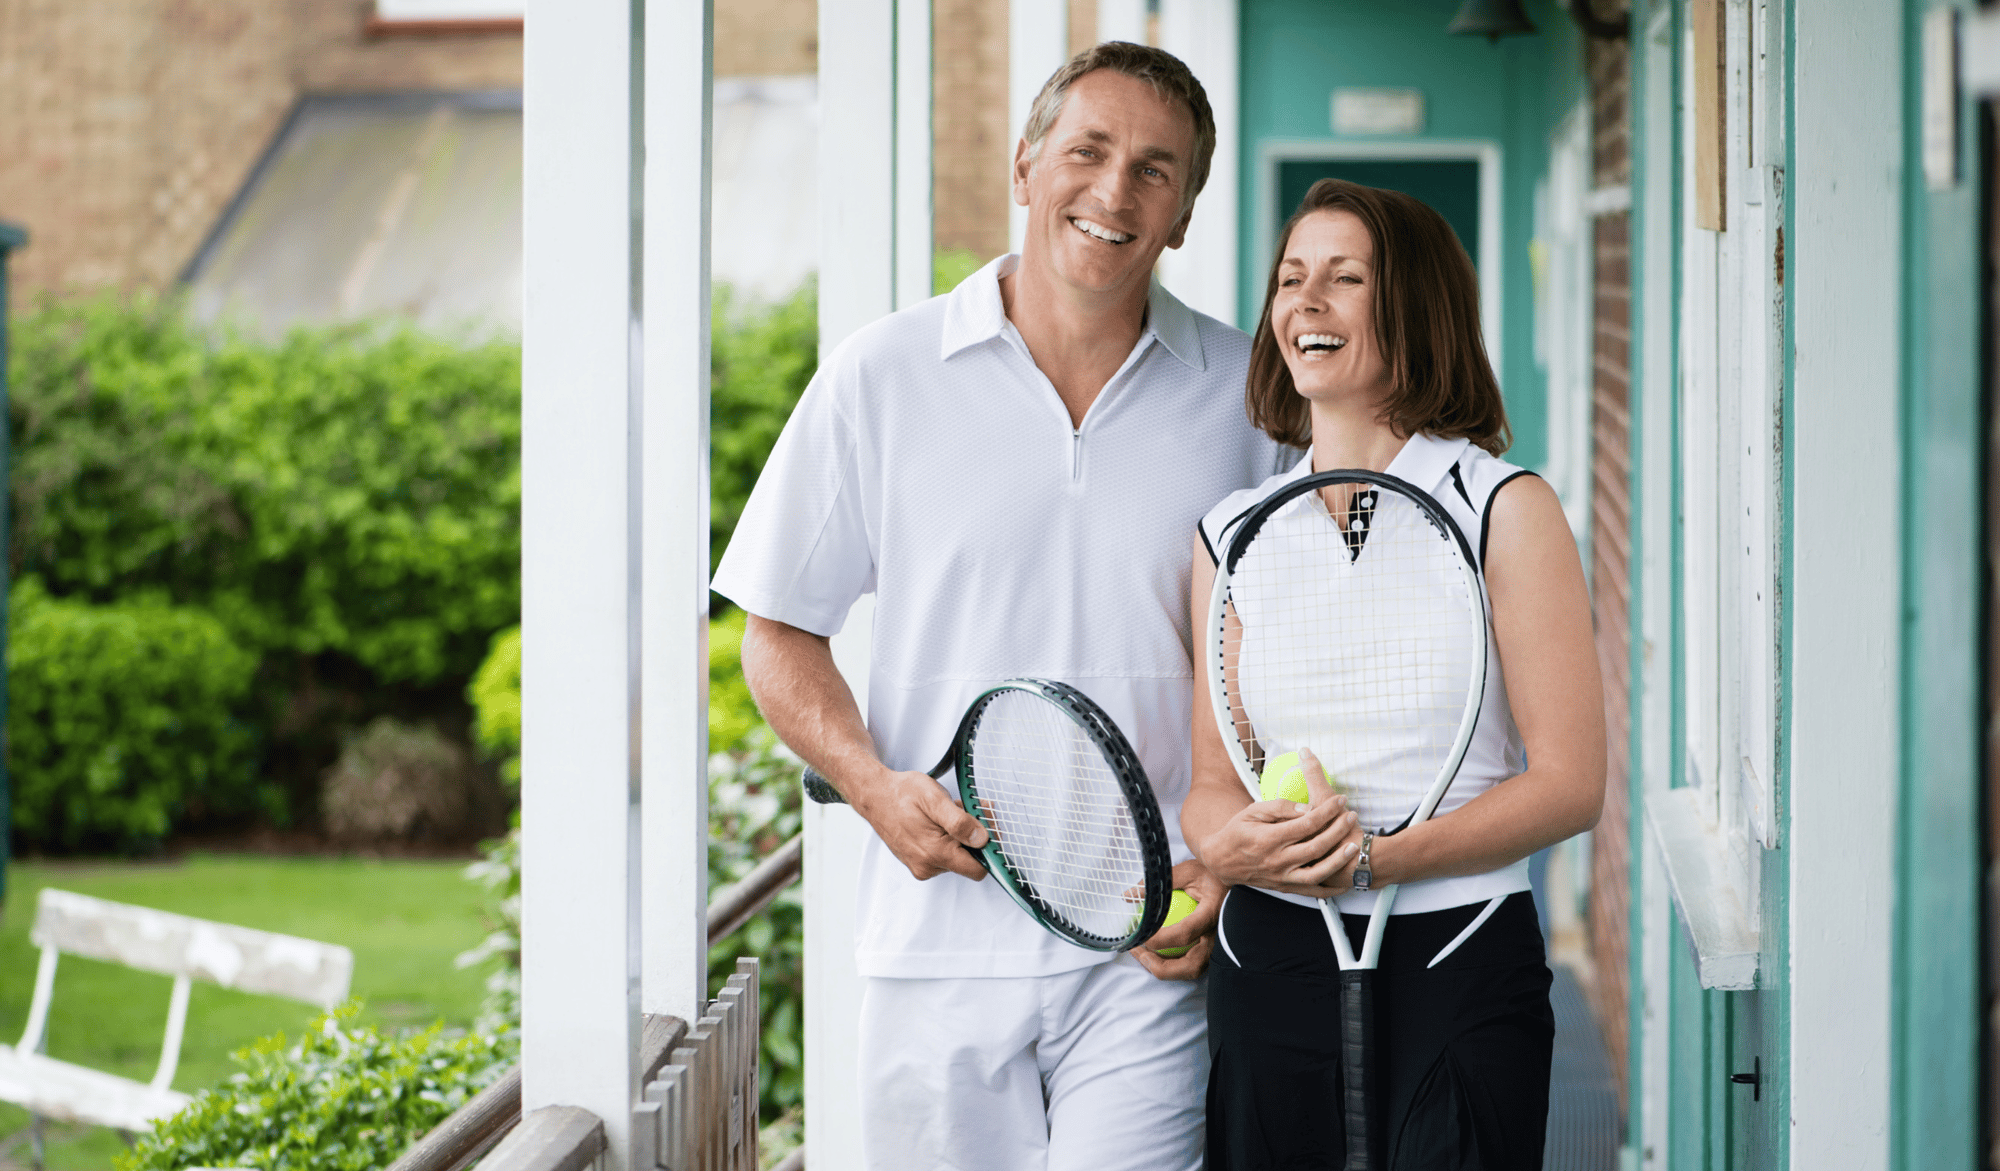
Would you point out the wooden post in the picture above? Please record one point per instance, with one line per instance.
(579, 595)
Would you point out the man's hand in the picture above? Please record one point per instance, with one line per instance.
(1196, 932)
(1276, 845)
(922, 826)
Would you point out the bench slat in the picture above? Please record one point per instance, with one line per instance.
(179, 945)
(57, 1089)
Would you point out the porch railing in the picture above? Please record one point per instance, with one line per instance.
(698, 1107)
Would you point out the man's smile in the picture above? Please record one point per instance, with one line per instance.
(1097, 231)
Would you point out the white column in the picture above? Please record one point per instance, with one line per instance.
(1847, 216)
(913, 153)
(1121, 20)
(1037, 45)
(1202, 272)
(674, 435)
(859, 279)
(579, 800)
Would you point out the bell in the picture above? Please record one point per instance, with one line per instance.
(1491, 19)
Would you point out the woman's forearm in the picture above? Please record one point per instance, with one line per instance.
(1499, 827)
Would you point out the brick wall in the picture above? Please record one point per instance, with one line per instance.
(973, 142)
(1608, 64)
(126, 125)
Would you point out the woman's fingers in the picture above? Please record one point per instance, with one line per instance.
(1318, 787)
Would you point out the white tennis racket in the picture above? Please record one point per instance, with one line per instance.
(1348, 618)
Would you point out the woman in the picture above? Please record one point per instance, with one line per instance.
(1369, 356)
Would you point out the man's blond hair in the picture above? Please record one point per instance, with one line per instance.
(1166, 73)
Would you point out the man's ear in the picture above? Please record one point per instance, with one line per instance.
(1180, 230)
(1023, 163)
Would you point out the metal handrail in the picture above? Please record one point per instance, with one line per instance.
(474, 1128)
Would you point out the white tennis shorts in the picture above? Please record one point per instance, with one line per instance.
(1101, 1069)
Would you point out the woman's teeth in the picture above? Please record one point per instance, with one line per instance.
(1311, 342)
(1100, 232)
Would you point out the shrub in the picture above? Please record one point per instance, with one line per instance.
(340, 1099)
(396, 782)
(759, 363)
(495, 695)
(122, 717)
(351, 490)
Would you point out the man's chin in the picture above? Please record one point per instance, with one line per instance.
(1101, 269)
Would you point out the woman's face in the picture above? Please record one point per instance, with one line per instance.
(1323, 314)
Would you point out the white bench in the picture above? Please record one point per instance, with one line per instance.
(150, 941)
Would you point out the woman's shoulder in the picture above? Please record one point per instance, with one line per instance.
(1214, 527)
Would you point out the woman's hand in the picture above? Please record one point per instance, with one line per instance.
(1278, 845)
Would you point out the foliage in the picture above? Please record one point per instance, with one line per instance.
(398, 782)
(732, 713)
(352, 490)
(951, 266)
(495, 695)
(339, 1099)
(753, 808)
(759, 363)
(121, 717)
(499, 871)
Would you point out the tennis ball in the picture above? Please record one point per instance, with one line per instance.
(1179, 907)
(1284, 779)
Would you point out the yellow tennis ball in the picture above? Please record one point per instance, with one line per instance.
(1285, 779)
(1179, 907)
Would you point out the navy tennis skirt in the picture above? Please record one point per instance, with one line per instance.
(1463, 1048)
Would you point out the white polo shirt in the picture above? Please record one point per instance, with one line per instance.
(932, 463)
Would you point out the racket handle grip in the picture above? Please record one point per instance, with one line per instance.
(1360, 1089)
(820, 789)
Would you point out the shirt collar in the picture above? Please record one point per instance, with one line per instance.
(974, 313)
(1424, 461)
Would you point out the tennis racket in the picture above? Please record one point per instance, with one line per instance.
(1347, 617)
(1074, 833)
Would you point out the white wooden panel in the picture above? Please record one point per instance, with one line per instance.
(1844, 731)
(1205, 33)
(1654, 523)
(858, 283)
(914, 133)
(580, 783)
(1121, 20)
(674, 512)
(1037, 45)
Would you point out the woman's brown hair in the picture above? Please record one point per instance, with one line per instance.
(1426, 321)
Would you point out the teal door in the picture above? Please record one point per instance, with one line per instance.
(1449, 186)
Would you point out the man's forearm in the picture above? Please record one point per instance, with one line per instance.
(806, 701)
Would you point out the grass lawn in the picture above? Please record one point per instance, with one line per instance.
(404, 920)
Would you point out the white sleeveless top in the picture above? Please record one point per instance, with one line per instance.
(1463, 479)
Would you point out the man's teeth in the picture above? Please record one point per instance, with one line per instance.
(1101, 232)
(1320, 341)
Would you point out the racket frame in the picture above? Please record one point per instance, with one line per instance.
(1361, 1094)
(1147, 823)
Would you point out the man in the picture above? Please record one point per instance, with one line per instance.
(1015, 469)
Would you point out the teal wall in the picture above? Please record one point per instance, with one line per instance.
(1934, 1121)
(1295, 52)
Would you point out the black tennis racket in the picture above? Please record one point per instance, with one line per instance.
(1074, 833)
(1347, 617)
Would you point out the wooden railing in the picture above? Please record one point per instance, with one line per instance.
(700, 1113)
(687, 1068)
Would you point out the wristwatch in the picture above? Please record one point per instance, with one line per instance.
(1362, 874)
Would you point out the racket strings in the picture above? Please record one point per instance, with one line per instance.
(1058, 813)
(1351, 637)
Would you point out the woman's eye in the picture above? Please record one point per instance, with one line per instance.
(1346, 279)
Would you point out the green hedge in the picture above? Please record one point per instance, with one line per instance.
(339, 1099)
(353, 491)
(122, 718)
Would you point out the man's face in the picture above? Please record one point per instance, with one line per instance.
(1104, 194)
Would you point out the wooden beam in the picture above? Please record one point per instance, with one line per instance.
(1711, 183)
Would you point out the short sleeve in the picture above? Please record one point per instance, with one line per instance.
(801, 553)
